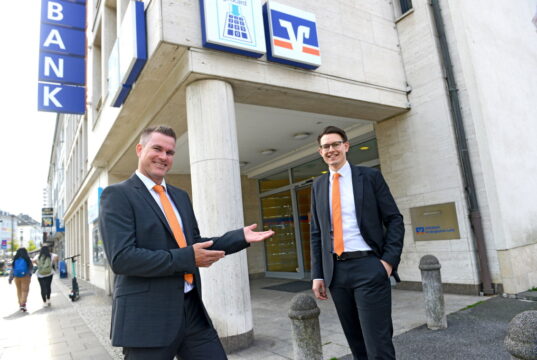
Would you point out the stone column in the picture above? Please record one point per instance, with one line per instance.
(521, 339)
(433, 293)
(304, 315)
(217, 201)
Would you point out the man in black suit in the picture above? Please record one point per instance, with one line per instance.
(153, 244)
(356, 243)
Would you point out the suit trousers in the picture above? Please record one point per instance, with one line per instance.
(197, 340)
(361, 292)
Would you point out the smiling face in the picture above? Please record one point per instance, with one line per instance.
(155, 156)
(335, 155)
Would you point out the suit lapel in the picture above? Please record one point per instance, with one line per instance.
(358, 189)
(146, 195)
(324, 188)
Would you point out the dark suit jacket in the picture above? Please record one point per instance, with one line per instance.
(147, 308)
(379, 220)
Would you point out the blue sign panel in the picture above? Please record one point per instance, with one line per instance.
(63, 13)
(132, 43)
(62, 57)
(60, 227)
(291, 36)
(233, 25)
(62, 68)
(60, 40)
(129, 54)
(61, 98)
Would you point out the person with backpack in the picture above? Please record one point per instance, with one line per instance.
(21, 271)
(46, 263)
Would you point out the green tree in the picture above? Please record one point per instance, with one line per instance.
(31, 245)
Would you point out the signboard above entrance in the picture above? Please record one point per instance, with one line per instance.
(233, 25)
(291, 36)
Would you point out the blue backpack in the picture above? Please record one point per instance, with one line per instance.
(20, 268)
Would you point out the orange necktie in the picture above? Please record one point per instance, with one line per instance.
(337, 221)
(173, 222)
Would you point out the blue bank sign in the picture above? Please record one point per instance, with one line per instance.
(62, 50)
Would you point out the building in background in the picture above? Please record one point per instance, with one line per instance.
(8, 234)
(439, 95)
(54, 195)
(30, 232)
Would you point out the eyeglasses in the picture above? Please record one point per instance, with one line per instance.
(335, 145)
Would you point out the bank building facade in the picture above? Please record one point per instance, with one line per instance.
(439, 95)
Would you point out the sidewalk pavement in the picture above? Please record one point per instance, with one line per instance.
(80, 330)
(56, 333)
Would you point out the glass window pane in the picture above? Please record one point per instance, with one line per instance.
(280, 249)
(363, 152)
(309, 170)
(274, 181)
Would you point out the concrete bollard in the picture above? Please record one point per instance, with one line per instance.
(521, 339)
(304, 315)
(433, 293)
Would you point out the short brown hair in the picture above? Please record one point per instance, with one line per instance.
(332, 130)
(164, 130)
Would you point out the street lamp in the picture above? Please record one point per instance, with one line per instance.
(12, 235)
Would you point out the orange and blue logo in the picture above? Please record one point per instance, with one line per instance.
(292, 37)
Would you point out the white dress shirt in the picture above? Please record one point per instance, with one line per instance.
(352, 238)
(149, 184)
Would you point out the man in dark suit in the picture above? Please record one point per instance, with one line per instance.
(356, 243)
(153, 244)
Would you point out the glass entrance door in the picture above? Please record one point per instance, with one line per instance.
(280, 249)
(288, 214)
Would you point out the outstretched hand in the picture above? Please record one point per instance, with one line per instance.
(255, 236)
(205, 258)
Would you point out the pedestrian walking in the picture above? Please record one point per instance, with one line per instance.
(21, 271)
(46, 263)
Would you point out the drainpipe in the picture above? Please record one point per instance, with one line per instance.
(464, 157)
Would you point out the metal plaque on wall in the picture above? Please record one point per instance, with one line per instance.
(435, 222)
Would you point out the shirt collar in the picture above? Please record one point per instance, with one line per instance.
(148, 182)
(345, 171)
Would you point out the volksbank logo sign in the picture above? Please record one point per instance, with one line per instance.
(291, 36)
(285, 34)
(62, 68)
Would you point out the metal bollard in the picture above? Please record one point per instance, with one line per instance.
(304, 315)
(521, 339)
(433, 293)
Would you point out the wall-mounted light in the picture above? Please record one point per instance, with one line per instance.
(268, 151)
(243, 163)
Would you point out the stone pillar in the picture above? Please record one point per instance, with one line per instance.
(304, 315)
(521, 340)
(217, 201)
(433, 293)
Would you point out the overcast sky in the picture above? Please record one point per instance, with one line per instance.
(25, 134)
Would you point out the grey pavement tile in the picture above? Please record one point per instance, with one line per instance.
(100, 354)
(62, 357)
(334, 351)
(58, 349)
(85, 334)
